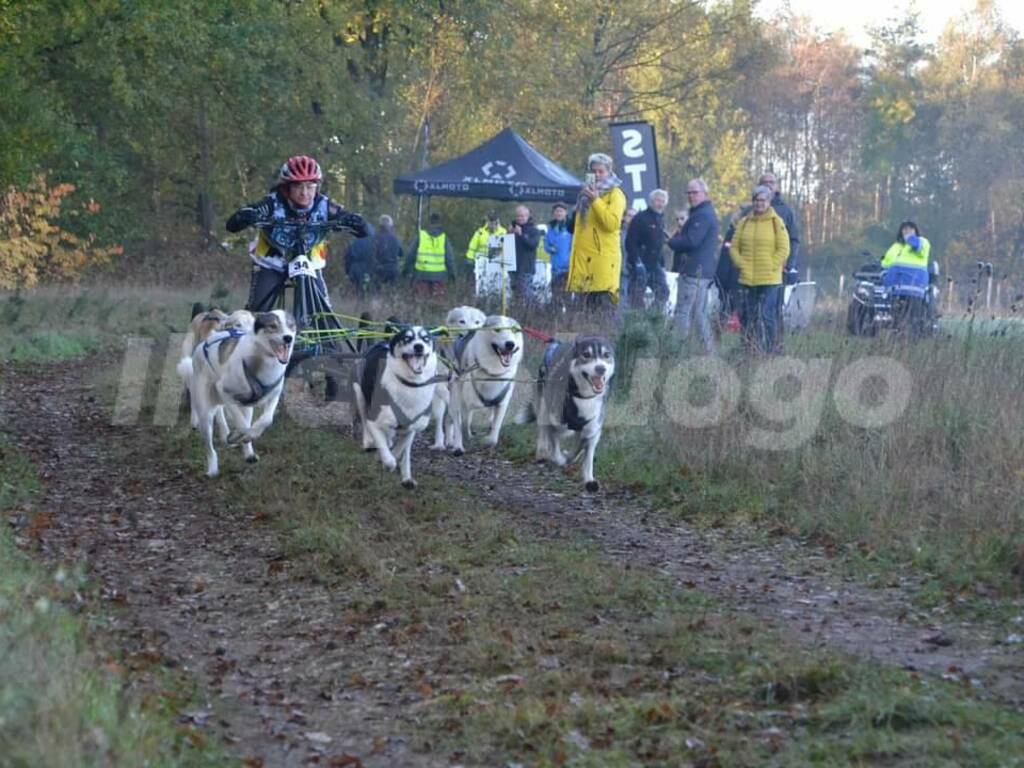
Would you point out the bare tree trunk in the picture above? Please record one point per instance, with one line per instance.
(204, 202)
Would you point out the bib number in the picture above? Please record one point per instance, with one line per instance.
(300, 267)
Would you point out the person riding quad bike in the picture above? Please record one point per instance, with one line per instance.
(293, 219)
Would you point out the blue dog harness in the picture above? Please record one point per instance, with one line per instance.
(258, 390)
(230, 333)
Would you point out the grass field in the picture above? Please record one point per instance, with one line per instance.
(938, 489)
(548, 653)
(611, 666)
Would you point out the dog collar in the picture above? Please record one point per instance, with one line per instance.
(431, 380)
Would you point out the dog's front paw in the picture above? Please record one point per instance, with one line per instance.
(389, 462)
(252, 459)
(593, 486)
(458, 452)
(409, 484)
(238, 436)
(437, 446)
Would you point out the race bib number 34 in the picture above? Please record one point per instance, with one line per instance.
(300, 266)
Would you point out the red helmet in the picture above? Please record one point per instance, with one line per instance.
(300, 168)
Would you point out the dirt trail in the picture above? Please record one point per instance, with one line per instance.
(787, 584)
(200, 586)
(293, 674)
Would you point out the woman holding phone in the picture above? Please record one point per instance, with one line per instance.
(596, 256)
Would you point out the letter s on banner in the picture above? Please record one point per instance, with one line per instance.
(636, 157)
(631, 143)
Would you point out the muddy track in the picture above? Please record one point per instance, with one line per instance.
(292, 673)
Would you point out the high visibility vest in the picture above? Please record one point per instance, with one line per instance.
(904, 255)
(430, 252)
(478, 247)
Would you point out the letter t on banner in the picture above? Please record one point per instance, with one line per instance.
(636, 156)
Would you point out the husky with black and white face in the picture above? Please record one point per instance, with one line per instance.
(570, 398)
(394, 389)
(459, 322)
(236, 371)
(488, 360)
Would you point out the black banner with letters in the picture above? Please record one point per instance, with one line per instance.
(636, 161)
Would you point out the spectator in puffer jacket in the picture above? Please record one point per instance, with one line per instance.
(759, 250)
(790, 272)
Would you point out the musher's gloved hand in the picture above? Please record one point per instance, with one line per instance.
(246, 217)
(353, 222)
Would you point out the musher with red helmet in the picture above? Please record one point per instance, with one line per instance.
(295, 199)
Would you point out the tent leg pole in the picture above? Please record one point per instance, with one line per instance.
(419, 212)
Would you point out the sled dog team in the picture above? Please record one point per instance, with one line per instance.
(234, 365)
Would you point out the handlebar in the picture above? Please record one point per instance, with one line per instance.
(308, 226)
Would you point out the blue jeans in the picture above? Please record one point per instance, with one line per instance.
(760, 317)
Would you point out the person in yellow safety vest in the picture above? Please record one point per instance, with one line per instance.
(478, 245)
(906, 262)
(430, 261)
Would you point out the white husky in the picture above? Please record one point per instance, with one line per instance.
(204, 324)
(488, 361)
(460, 321)
(236, 371)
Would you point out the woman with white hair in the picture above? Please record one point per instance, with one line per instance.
(759, 250)
(596, 256)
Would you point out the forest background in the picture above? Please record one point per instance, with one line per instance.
(132, 129)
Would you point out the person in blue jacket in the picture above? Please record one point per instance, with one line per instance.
(558, 245)
(695, 245)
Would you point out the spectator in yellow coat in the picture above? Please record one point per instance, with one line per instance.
(760, 247)
(596, 256)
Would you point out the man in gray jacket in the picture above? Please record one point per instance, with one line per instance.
(695, 245)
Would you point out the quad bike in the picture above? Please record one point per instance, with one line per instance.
(876, 306)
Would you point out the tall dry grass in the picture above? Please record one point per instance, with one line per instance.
(940, 485)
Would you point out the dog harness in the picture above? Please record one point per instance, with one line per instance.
(570, 410)
(488, 402)
(403, 419)
(378, 397)
(230, 333)
(259, 389)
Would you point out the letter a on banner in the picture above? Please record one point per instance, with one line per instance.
(636, 156)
